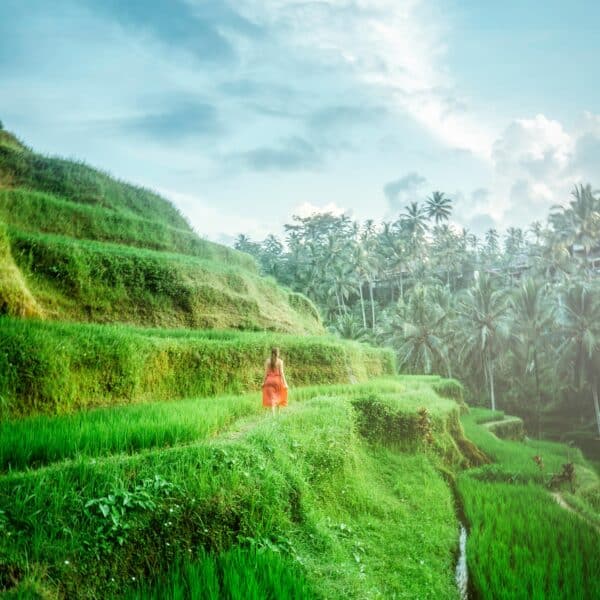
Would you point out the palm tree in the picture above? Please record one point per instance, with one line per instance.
(422, 347)
(414, 221)
(580, 331)
(347, 327)
(579, 223)
(438, 207)
(482, 325)
(532, 317)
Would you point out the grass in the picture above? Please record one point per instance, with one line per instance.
(305, 485)
(513, 460)
(58, 368)
(15, 297)
(38, 212)
(237, 574)
(85, 247)
(77, 182)
(522, 544)
(82, 280)
(41, 440)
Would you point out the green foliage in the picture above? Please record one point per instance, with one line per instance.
(57, 368)
(79, 183)
(449, 388)
(33, 212)
(523, 545)
(40, 440)
(303, 485)
(91, 281)
(86, 247)
(238, 574)
(114, 511)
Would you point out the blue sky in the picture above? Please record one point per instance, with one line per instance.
(246, 112)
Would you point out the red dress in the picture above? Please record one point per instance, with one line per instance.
(274, 393)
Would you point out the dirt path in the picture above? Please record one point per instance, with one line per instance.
(491, 424)
(564, 504)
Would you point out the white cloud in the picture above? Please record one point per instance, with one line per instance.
(210, 221)
(393, 47)
(307, 209)
(536, 164)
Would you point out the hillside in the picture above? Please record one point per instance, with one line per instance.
(356, 491)
(78, 245)
(340, 514)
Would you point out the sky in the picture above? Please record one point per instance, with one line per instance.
(247, 112)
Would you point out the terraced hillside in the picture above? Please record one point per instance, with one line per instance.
(77, 245)
(107, 296)
(208, 486)
(354, 491)
(136, 460)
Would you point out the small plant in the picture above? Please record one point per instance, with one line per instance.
(116, 509)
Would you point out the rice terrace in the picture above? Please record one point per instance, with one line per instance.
(263, 372)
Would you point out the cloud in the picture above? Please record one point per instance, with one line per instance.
(183, 120)
(404, 190)
(538, 146)
(307, 209)
(393, 48)
(537, 162)
(292, 154)
(586, 155)
(207, 218)
(345, 116)
(195, 27)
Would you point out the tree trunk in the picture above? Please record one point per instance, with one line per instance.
(337, 298)
(401, 286)
(372, 305)
(490, 370)
(538, 407)
(596, 406)
(362, 305)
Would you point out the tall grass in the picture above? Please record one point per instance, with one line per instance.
(41, 440)
(41, 212)
(523, 545)
(91, 281)
(78, 182)
(57, 368)
(513, 460)
(238, 574)
(303, 484)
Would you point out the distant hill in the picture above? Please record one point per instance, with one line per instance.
(78, 245)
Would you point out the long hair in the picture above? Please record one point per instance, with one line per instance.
(274, 357)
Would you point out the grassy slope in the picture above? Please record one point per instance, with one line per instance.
(85, 247)
(58, 368)
(357, 520)
(522, 544)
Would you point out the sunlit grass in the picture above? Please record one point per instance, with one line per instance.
(237, 574)
(303, 484)
(58, 368)
(40, 440)
(522, 544)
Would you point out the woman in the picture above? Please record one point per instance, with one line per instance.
(275, 387)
